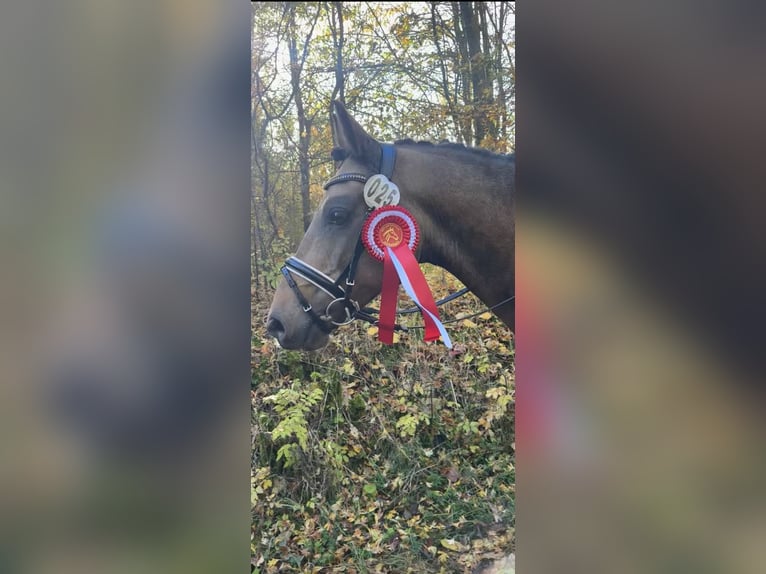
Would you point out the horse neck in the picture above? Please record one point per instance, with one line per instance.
(466, 215)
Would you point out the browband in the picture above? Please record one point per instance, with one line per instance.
(387, 162)
(342, 177)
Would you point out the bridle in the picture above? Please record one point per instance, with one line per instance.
(340, 289)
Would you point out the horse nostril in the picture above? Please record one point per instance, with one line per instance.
(275, 328)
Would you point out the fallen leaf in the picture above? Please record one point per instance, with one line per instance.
(452, 544)
(452, 474)
(370, 489)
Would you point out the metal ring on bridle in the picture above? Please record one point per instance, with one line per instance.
(346, 308)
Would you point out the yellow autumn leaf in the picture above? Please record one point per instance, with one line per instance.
(452, 544)
(348, 367)
(494, 392)
(485, 316)
(373, 332)
(469, 323)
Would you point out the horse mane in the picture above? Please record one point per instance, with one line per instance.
(338, 154)
(444, 144)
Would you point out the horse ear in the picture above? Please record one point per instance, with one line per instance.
(350, 136)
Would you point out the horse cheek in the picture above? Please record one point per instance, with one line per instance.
(369, 280)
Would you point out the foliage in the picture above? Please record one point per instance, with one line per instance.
(369, 458)
(291, 405)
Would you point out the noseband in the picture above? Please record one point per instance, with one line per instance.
(340, 289)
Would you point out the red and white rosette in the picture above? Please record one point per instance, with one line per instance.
(390, 234)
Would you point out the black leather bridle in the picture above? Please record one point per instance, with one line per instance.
(340, 289)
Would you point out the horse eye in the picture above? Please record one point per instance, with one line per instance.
(337, 216)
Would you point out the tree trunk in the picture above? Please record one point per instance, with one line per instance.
(260, 188)
(266, 191)
(464, 72)
(478, 76)
(501, 97)
(488, 74)
(304, 125)
(443, 67)
(255, 228)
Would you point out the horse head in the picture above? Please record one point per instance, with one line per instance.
(306, 307)
(461, 199)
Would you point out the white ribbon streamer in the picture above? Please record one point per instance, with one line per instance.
(411, 292)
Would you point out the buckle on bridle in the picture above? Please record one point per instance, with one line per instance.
(346, 307)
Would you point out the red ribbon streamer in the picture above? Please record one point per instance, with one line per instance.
(421, 288)
(390, 294)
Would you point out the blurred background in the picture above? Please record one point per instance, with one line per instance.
(640, 260)
(124, 419)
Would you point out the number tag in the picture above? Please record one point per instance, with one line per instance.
(380, 191)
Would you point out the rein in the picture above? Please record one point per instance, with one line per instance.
(455, 296)
(341, 288)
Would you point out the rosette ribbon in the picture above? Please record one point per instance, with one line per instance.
(391, 235)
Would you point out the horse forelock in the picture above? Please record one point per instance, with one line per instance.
(339, 154)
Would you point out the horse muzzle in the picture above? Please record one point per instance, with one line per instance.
(291, 326)
(304, 338)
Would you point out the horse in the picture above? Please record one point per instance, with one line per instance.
(462, 198)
